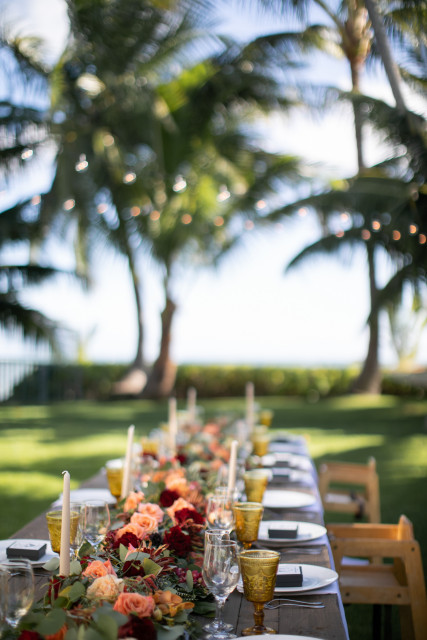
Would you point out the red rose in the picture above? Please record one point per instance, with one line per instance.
(168, 497)
(126, 539)
(183, 515)
(29, 635)
(182, 458)
(132, 568)
(179, 541)
(139, 628)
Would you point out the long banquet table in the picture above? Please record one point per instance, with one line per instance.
(327, 623)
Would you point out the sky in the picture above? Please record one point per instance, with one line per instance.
(247, 310)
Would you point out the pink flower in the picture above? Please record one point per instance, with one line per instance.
(106, 587)
(142, 606)
(134, 528)
(177, 506)
(152, 510)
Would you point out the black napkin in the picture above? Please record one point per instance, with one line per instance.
(289, 576)
(30, 549)
(286, 531)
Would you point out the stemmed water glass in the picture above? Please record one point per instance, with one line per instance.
(221, 574)
(18, 579)
(219, 512)
(96, 521)
(76, 528)
(213, 536)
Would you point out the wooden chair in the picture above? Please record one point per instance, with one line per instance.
(357, 492)
(398, 583)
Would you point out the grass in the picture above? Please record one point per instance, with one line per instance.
(38, 443)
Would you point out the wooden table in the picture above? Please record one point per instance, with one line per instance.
(326, 624)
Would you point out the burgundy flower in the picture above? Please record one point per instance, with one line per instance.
(168, 497)
(126, 539)
(179, 541)
(29, 635)
(139, 628)
(182, 458)
(132, 568)
(183, 515)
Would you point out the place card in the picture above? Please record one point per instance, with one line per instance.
(289, 576)
(32, 550)
(286, 531)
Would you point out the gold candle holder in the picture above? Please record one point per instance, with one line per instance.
(247, 516)
(256, 482)
(258, 569)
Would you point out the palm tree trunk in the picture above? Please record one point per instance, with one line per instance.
(358, 118)
(138, 362)
(390, 66)
(369, 379)
(162, 376)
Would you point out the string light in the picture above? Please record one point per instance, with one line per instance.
(25, 155)
(82, 164)
(302, 212)
(108, 140)
(180, 184)
(413, 229)
(69, 204)
(339, 234)
(344, 217)
(261, 204)
(130, 177)
(249, 225)
(396, 234)
(186, 218)
(219, 221)
(376, 225)
(36, 200)
(155, 215)
(422, 238)
(366, 234)
(135, 211)
(102, 208)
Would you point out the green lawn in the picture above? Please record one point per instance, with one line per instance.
(38, 443)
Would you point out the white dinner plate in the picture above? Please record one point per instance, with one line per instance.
(307, 531)
(283, 499)
(286, 474)
(292, 460)
(84, 495)
(36, 563)
(277, 636)
(313, 577)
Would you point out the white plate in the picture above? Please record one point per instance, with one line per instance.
(36, 563)
(286, 474)
(84, 495)
(292, 460)
(307, 531)
(313, 577)
(277, 636)
(282, 499)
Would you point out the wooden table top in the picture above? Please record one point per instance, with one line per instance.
(325, 624)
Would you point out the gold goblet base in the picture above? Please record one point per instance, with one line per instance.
(258, 631)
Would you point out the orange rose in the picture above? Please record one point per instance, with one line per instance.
(180, 485)
(133, 500)
(170, 603)
(96, 569)
(105, 588)
(180, 503)
(152, 510)
(132, 527)
(128, 603)
(144, 520)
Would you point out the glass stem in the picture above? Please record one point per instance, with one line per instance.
(219, 607)
(259, 616)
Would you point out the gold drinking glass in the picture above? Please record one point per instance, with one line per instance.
(266, 417)
(114, 470)
(54, 521)
(259, 569)
(256, 482)
(260, 441)
(247, 516)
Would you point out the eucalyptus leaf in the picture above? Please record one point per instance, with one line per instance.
(75, 568)
(52, 622)
(138, 555)
(76, 592)
(169, 633)
(204, 608)
(189, 580)
(86, 549)
(107, 610)
(60, 603)
(107, 626)
(71, 634)
(151, 567)
(51, 565)
(123, 552)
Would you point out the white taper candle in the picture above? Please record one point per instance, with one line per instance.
(250, 394)
(232, 467)
(126, 480)
(64, 555)
(173, 425)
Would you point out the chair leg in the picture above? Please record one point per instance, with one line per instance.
(388, 627)
(376, 622)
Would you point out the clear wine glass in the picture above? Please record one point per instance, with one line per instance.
(221, 574)
(213, 536)
(219, 512)
(76, 528)
(96, 521)
(19, 589)
(3, 598)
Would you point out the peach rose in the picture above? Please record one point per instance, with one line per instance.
(180, 485)
(96, 569)
(105, 588)
(132, 527)
(133, 500)
(144, 520)
(128, 603)
(152, 510)
(180, 503)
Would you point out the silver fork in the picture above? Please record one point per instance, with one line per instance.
(281, 602)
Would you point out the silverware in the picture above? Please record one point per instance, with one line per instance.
(282, 602)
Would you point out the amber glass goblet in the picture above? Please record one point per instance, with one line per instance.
(260, 441)
(259, 569)
(256, 482)
(247, 516)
